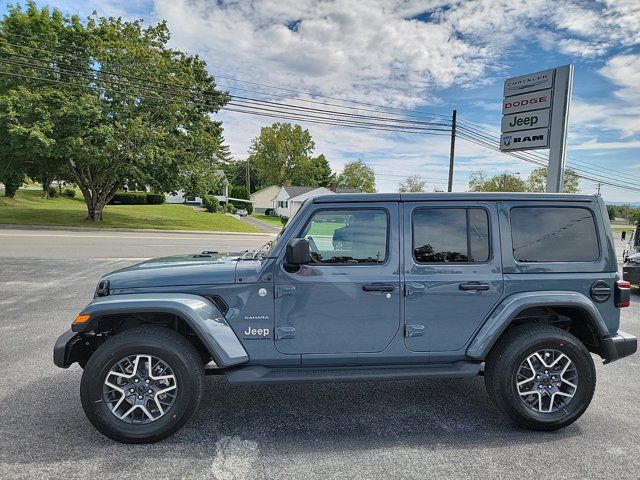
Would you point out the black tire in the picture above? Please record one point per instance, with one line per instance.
(512, 349)
(165, 344)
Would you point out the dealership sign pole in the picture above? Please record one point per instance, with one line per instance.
(535, 111)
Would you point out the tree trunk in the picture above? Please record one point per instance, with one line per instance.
(94, 212)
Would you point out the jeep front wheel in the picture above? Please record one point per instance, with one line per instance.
(541, 376)
(142, 385)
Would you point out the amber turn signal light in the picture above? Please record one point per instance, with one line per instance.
(81, 319)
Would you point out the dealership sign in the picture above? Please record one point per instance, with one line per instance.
(535, 112)
(526, 106)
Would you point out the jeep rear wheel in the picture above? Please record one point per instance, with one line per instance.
(541, 376)
(142, 385)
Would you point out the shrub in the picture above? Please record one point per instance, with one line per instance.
(210, 203)
(155, 198)
(284, 219)
(130, 198)
(53, 192)
(230, 208)
(69, 192)
(240, 191)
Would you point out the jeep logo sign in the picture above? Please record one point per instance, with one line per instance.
(525, 120)
(538, 138)
(526, 102)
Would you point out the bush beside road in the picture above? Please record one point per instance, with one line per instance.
(29, 208)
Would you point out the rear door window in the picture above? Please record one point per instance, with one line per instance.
(450, 235)
(553, 234)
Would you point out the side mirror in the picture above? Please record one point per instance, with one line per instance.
(298, 252)
(624, 234)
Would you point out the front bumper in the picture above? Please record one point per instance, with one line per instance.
(63, 350)
(619, 346)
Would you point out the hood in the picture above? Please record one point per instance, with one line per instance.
(180, 270)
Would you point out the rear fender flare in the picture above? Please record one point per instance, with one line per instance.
(511, 306)
(204, 318)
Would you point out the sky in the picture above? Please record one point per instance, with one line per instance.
(424, 57)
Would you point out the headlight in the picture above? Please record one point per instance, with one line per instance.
(102, 290)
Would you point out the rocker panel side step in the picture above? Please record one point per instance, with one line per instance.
(258, 374)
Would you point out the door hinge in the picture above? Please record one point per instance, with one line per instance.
(413, 330)
(282, 290)
(285, 332)
(412, 288)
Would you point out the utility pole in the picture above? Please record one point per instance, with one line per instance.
(452, 152)
(599, 185)
(248, 178)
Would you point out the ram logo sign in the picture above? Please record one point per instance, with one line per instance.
(529, 139)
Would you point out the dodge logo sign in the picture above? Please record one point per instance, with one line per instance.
(526, 102)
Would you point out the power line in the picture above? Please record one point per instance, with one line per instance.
(266, 112)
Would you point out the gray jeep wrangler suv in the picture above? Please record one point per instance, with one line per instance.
(521, 288)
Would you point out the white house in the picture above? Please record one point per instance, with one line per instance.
(180, 197)
(289, 199)
(263, 199)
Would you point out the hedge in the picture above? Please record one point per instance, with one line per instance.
(129, 198)
(155, 198)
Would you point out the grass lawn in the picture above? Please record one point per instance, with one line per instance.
(275, 221)
(29, 208)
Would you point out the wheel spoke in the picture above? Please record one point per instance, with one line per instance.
(132, 392)
(540, 378)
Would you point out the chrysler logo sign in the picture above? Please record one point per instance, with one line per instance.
(528, 83)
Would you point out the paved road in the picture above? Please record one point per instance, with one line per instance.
(417, 429)
(36, 243)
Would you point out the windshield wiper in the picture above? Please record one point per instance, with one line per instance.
(261, 248)
(253, 254)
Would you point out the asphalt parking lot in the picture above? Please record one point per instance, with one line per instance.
(408, 429)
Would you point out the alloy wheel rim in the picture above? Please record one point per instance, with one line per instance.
(139, 389)
(547, 381)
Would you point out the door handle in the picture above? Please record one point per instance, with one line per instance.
(474, 286)
(378, 287)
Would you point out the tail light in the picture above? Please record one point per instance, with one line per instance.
(623, 294)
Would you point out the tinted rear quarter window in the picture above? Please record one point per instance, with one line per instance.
(450, 235)
(553, 234)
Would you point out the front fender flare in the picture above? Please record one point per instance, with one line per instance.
(510, 307)
(201, 315)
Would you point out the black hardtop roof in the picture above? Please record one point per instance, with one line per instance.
(466, 196)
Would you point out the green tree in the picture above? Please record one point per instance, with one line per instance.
(537, 181)
(318, 169)
(111, 118)
(12, 176)
(283, 155)
(413, 183)
(504, 182)
(358, 174)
